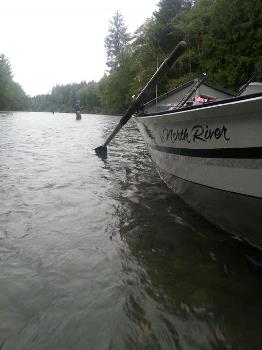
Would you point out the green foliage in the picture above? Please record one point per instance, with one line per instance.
(195, 25)
(169, 9)
(89, 97)
(41, 103)
(116, 41)
(64, 97)
(12, 96)
(232, 47)
(16, 98)
(115, 94)
(6, 66)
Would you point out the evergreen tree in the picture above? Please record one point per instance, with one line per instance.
(12, 96)
(232, 46)
(168, 9)
(116, 40)
(88, 95)
(6, 66)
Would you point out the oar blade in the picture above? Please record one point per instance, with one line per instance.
(101, 151)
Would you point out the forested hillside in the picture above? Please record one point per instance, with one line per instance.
(12, 96)
(224, 40)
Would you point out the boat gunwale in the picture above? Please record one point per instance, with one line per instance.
(142, 114)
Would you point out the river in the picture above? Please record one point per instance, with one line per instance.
(100, 254)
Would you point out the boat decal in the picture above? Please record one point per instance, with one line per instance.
(238, 153)
(198, 133)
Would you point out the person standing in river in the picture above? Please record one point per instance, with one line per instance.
(78, 110)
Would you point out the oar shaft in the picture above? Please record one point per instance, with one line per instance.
(161, 72)
(156, 78)
(131, 110)
(112, 135)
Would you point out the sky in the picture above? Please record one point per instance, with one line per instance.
(55, 42)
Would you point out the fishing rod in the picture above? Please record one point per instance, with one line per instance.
(191, 92)
(243, 88)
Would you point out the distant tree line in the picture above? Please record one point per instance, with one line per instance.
(224, 40)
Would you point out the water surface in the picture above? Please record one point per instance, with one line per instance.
(99, 254)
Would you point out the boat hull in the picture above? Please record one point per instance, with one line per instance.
(238, 214)
(212, 158)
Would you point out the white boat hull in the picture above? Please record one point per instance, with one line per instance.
(212, 157)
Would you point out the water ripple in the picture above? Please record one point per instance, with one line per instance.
(99, 254)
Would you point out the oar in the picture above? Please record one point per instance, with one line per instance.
(155, 79)
(243, 88)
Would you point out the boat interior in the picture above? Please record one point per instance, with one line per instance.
(200, 94)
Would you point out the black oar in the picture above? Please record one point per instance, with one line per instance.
(243, 88)
(156, 78)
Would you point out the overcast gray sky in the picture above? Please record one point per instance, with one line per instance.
(53, 42)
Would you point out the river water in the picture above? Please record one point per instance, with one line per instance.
(99, 254)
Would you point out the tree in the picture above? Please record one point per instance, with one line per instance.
(16, 98)
(6, 66)
(232, 46)
(114, 89)
(168, 9)
(12, 96)
(88, 95)
(116, 40)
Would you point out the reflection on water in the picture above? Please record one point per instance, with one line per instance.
(99, 254)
